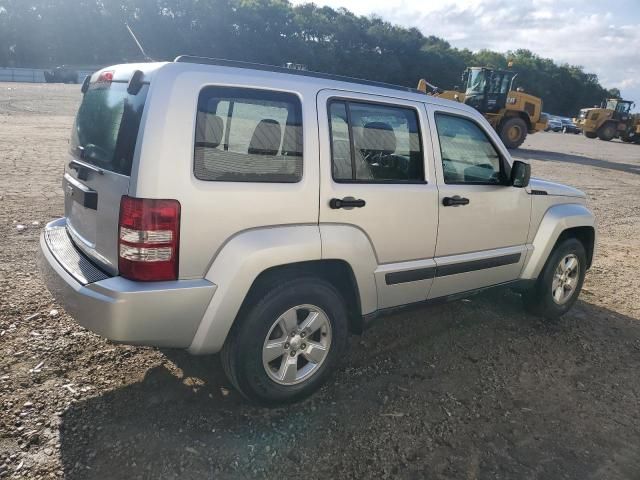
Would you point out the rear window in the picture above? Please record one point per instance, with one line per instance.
(246, 135)
(106, 127)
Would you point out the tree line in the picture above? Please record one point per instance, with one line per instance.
(92, 33)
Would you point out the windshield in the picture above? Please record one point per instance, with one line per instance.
(500, 82)
(494, 81)
(106, 127)
(476, 81)
(618, 106)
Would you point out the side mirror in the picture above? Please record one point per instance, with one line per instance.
(520, 174)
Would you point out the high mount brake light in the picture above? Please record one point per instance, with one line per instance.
(148, 239)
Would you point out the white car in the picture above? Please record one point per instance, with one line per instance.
(264, 213)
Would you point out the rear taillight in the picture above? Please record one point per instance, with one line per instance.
(105, 77)
(148, 239)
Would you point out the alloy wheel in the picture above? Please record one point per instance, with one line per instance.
(565, 279)
(297, 344)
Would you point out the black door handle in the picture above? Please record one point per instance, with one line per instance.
(454, 201)
(346, 202)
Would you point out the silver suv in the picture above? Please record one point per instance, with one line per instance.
(264, 213)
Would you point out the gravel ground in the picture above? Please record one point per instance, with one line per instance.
(471, 389)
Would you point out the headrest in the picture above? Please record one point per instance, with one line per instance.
(209, 128)
(266, 138)
(379, 137)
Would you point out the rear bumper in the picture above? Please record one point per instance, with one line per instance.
(162, 314)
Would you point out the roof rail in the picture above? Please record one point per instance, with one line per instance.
(272, 68)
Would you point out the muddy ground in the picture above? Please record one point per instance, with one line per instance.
(472, 389)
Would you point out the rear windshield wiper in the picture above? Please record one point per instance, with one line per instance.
(80, 166)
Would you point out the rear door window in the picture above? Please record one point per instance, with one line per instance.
(375, 143)
(106, 126)
(247, 135)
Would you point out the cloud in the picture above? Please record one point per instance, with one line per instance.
(593, 35)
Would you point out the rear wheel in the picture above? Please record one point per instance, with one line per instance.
(284, 346)
(590, 134)
(513, 132)
(560, 281)
(606, 132)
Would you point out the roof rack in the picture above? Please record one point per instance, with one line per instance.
(272, 68)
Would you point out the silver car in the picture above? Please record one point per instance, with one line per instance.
(264, 213)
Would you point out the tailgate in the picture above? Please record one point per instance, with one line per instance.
(98, 169)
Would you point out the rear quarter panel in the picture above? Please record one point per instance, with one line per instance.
(212, 212)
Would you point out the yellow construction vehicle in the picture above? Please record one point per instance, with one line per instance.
(613, 119)
(512, 113)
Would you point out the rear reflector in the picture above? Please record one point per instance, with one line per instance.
(148, 240)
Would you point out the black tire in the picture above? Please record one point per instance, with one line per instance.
(539, 299)
(590, 134)
(513, 132)
(242, 352)
(627, 137)
(607, 131)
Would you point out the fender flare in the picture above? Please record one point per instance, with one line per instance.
(556, 220)
(351, 244)
(245, 256)
(238, 264)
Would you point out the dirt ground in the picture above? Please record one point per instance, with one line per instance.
(471, 389)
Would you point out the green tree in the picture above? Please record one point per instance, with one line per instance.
(45, 33)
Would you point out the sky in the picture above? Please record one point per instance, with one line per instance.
(601, 36)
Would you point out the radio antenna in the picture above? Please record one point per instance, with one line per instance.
(135, 39)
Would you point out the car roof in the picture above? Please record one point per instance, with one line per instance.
(185, 63)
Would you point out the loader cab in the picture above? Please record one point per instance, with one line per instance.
(487, 89)
(620, 108)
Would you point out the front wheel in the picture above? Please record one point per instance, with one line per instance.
(285, 345)
(607, 132)
(590, 134)
(560, 281)
(513, 132)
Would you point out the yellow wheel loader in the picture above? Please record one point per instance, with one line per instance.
(512, 113)
(611, 120)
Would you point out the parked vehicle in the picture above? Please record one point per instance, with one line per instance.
(263, 213)
(61, 74)
(510, 111)
(568, 126)
(612, 120)
(554, 125)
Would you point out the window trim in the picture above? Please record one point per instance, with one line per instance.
(283, 93)
(347, 101)
(505, 167)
